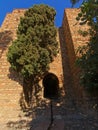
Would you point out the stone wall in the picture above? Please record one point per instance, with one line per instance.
(73, 40)
(7, 35)
(56, 65)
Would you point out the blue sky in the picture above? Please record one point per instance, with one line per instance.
(6, 6)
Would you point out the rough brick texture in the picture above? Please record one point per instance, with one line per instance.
(73, 40)
(7, 34)
(10, 85)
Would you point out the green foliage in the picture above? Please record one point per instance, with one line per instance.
(83, 33)
(88, 13)
(36, 45)
(74, 2)
(88, 61)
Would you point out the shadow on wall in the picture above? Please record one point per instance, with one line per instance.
(5, 39)
(40, 111)
(13, 75)
(31, 93)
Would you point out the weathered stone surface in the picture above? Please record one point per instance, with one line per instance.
(73, 40)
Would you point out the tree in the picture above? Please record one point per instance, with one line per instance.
(74, 2)
(35, 47)
(88, 61)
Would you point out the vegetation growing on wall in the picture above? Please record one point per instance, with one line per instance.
(35, 47)
(88, 61)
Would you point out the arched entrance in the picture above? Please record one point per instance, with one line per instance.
(51, 86)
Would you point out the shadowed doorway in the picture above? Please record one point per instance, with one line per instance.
(51, 86)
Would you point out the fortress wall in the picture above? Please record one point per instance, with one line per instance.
(56, 65)
(73, 40)
(11, 21)
(7, 35)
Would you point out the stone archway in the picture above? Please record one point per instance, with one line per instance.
(51, 86)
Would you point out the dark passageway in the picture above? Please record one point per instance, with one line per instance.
(51, 86)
